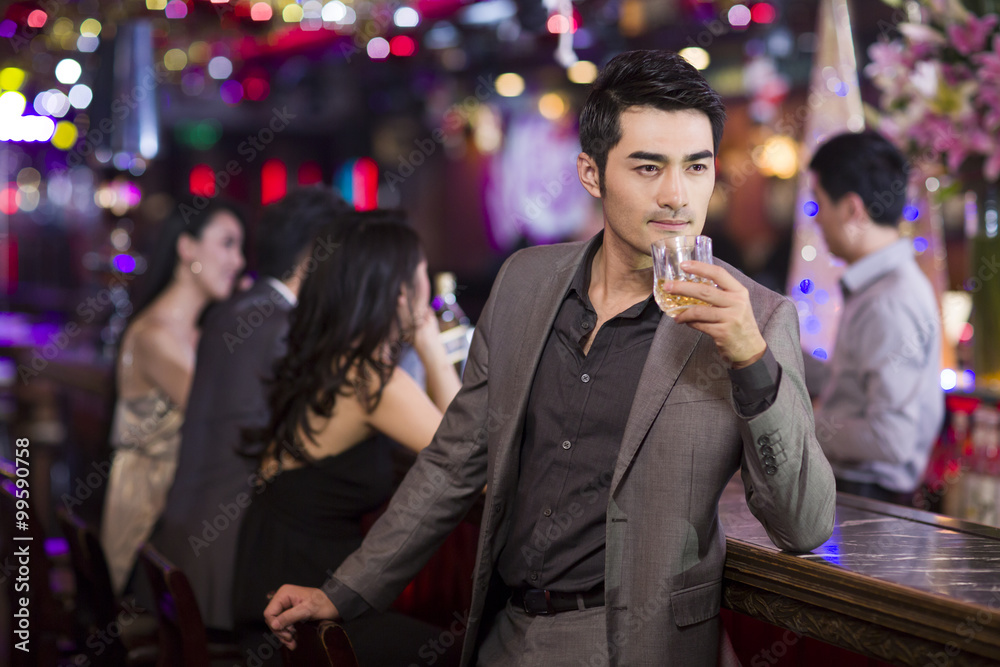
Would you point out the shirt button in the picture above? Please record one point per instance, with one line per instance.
(585, 325)
(767, 450)
(547, 512)
(585, 377)
(769, 460)
(770, 470)
(763, 440)
(566, 444)
(534, 576)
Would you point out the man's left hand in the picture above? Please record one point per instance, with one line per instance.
(728, 318)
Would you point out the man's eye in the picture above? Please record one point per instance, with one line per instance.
(699, 167)
(648, 168)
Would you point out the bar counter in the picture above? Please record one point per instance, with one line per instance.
(893, 583)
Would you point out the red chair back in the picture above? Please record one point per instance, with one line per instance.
(183, 640)
(322, 644)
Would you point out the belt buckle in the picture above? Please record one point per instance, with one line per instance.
(533, 595)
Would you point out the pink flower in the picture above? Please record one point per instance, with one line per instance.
(989, 63)
(971, 37)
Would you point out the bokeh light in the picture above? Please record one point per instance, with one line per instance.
(175, 60)
(406, 17)
(582, 72)
(402, 45)
(11, 78)
(68, 71)
(697, 56)
(552, 106)
(378, 48)
(220, 67)
(949, 379)
(509, 84)
(65, 135)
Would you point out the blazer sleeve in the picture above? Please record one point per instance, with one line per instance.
(789, 484)
(444, 482)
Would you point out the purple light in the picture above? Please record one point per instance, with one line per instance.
(7, 28)
(124, 263)
(911, 213)
(813, 325)
(920, 244)
(437, 303)
(231, 92)
(968, 378)
(176, 9)
(806, 286)
(821, 296)
(820, 353)
(811, 208)
(842, 89)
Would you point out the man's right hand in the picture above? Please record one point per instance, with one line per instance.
(292, 604)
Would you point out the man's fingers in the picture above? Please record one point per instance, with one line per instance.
(706, 293)
(716, 274)
(291, 616)
(703, 314)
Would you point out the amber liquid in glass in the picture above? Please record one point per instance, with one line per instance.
(672, 304)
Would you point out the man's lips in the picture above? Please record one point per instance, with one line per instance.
(669, 223)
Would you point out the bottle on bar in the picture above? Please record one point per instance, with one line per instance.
(454, 325)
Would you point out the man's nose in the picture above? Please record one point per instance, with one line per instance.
(673, 192)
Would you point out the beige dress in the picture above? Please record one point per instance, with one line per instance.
(145, 436)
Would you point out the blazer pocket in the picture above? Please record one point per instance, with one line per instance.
(696, 603)
(716, 390)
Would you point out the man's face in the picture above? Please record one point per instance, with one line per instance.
(658, 179)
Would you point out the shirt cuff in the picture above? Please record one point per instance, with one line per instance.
(348, 603)
(755, 387)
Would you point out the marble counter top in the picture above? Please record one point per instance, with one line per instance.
(922, 586)
(920, 550)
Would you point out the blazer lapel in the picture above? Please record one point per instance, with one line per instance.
(540, 314)
(673, 344)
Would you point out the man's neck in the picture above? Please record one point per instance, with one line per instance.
(293, 283)
(878, 237)
(618, 277)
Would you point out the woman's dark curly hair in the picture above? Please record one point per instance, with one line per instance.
(339, 331)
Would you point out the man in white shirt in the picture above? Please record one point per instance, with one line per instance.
(879, 404)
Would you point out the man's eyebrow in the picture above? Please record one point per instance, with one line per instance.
(657, 157)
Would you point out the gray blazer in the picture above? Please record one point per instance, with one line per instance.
(240, 340)
(683, 442)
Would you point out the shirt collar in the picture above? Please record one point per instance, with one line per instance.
(870, 268)
(282, 289)
(581, 279)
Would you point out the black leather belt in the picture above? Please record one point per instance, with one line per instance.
(542, 602)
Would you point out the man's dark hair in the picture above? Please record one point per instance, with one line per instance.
(289, 227)
(867, 164)
(658, 79)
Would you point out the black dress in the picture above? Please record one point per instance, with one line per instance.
(298, 530)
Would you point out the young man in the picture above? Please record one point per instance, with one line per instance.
(605, 431)
(240, 341)
(880, 404)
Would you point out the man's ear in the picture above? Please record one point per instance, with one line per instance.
(854, 208)
(855, 216)
(590, 178)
